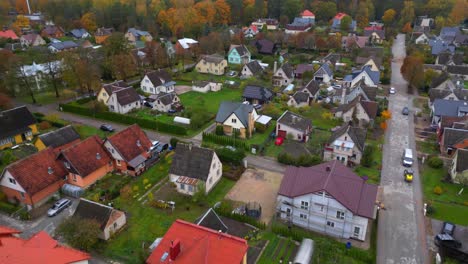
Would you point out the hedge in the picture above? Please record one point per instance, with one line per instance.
(8, 208)
(241, 218)
(226, 141)
(85, 100)
(125, 119)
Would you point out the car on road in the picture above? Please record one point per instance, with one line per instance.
(59, 206)
(232, 73)
(408, 174)
(107, 128)
(446, 240)
(448, 228)
(405, 110)
(392, 90)
(154, 145)
(407, 158)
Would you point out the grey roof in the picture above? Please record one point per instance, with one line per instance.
(264, 46)
(64, 45)
(369, 106)
(447, 107)
(453, 136)
(159, 77)
(445, 58)
(214, 58)
(363, 60)
(333, 58)
(439, 80)
(210, 219)
(241, 110)
(138, 33)
(255, 67)
(127, 96)
(358, 135)
(461, 39)
(15, 121)
(438, 94)
(192, 161)
(294, 120)
(115, 86)
(440, 45)
(462, 160)
(458, 69)
(137, 161)
(374, 75)
(301, 97)
(288, 70)
(325, 69)
(78, 32)
(304, 67)
(461, 94)
(370, 92)
(87, 209)
(59, 137)
(241, 50)
(257, 92)
(313, 87)
(449, 31)
(104, 31)
(166, 98)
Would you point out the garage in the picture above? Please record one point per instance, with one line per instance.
(282, 133)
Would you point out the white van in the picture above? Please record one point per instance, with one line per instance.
(407, 157)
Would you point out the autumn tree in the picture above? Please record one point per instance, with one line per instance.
(223, 13)
(5, 102)
(211, 44)
(21, 6)
(88, 21)
(122, 66)
(459, 11)
(116, 44)
(260, 7)
(53, 69)
(407, 28)
(324, 11)
(81, 70)
(439, 7)
(413, 72)
(24, 80)
(429, 75)
(407, 13)
(291, 8)
(7, 74)
(80, 233)
(439, 22)
(389, 17)
(362, 16)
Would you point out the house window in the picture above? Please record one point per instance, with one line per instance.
(288, 211)
(339, 214)
(115, 225)
(320, 207)
(74, 177)
(279, 126)
(190, 188)
(146, 81)
(12, 181)
(303, 216)
(233, 120)
(104, 93)
(67, 165)
(304, 205)
(182, 186)
(357, 231)
(330, 224)
(22, 194)
(299, 136)
(118, 162)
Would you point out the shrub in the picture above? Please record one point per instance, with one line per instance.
(435, 162)
(430, 209)
(174, 142)
(80, 233)
(225, 141)
(438, 190)
(367, 156)
(231, 156)
(7, 207)
(44, 125)
(303, 160)
(219, 131)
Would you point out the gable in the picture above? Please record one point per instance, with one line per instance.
(238, 122)
(233, 53)
(5, 181)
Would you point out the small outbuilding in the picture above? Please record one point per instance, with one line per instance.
(305, 252)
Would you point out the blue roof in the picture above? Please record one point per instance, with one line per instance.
(348, 78)
(299, 21)
(448, 107)
(449, 31)
(64, 45)
(239, 109)
(327, 69)
(138, 33)
(439, 45)
(78, 33)
(374, 75)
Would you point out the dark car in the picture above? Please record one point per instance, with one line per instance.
(446, 240)
(448, 228)
(172, 111)
(405, 111)
(161, 148)
(147, 104)
(107, 128)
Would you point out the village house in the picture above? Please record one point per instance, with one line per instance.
(421, 39)
(453, 138)
(324, 74)
(238, 54)
(51, 31)
(447, 58)
(109, 88)
(17, 126)
(194, 169)
(59, 139)
(130, 149)
(37, 73)
(299, 99)
(163, 102)
(376, 34)
(336, 23)
(86, 161)
(450, 122)
(157, 81)
(251, 69)
(79, 33)
(237, 117)
(32, 181)
(184, 241)
(346, 145)
(8, 34)
(449, 108)
(328, 198)
(250, 31)
(347, 94)
(133, 35)
(303, 68)
(298, 127)
(264, 46)
(110, 220)
(40, 247)
(63, 46)
(371, 78)
(307, 14)
(374, 62)
(257, 95)
(353, 41)
(205, 86)
(359, 110)
(270, 23)
(459, 167)
(124, 100)
(186, 46)
(102, 34)
(212, 64)
(284, 75)
(299, 25)
(458, 71)
(312, 88)
(32, 40)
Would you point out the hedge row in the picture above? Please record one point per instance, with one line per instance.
(40, 117)
(226, 141)
(125, 119)
(241, 218)
(85, 100)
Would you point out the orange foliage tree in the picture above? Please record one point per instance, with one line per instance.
(88, 21)
(386, 114)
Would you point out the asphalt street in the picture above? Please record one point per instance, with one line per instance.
(401, 231)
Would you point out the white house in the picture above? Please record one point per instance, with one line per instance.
(253, 68)
(371, 78)
(328, 198)
(163, 102)
(205, 86)
(422, 39)
(156, 82)
(193, 167)
(299, 99)
(37, 72)
(295, 125)
(360, 110)
(324, 74)
(32, 39)
(346, 145)
(459, 168)
(284, 75)
(124, 100)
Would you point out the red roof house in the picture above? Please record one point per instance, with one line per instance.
(307, 14)
(34, 179)
(340, 15)
(130, 149)
(8, 34)
(40, 248)
(185, 242)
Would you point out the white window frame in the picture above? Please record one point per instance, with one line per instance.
(305, 205)
(330, 224)
(340, 215)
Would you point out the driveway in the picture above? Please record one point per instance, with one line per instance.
(257, 185)
(401, 231)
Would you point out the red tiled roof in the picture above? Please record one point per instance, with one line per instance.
(199, 244)
(374, 27)
(340, 182)
(8, 34)
(340, 16)
(126, 142)
(87, 156)
(40, 248)
(462, 144)
(6, 231)
(32, 173)
(307, 13)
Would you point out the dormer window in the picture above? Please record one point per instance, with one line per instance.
(50, 170)
(67, 165)
(98, 156)
(138, 143)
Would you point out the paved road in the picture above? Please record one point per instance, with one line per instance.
(401, 232)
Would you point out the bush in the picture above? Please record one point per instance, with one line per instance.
(85, 100)
(438, 190)
(44, 125)
(80, 233)
(225, 141)
(174, 142)
(7, 207)
(231, 156)
(367, 156)
(430, 209)
(219, 131)
(435, 162)
(303, 160)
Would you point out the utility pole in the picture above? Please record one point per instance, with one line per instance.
(29, 7)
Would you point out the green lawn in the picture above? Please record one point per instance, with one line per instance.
(210, 101)
(48, 97)
(277, 249)
(466, 84)
(320, 116)
(86, 131)
(448, 205)
(195, 76)
(428, 147)
(373, 172)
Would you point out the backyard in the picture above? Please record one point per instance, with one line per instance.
(47, 96)
(373, 172)
(210, 101)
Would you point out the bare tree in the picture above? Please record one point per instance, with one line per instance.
(53, 69)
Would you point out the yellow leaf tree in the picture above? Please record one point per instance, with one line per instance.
(459, 11)
(88, 21)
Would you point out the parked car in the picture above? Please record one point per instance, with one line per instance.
(408, 174)
(172, 111)
(154, 145)
(405, 111)
(392, 90)
(232, 73)
(161, 148)
(107, 128)
(279, 141)
(446, 240)
(448, 228)
(59, 206)
(147, 104)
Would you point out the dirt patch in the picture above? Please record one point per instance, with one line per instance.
(180, 89)
(260, 186)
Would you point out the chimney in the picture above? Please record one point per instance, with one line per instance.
(98, 156)
(174, 250)
(50, 170)
(138, 143)
(275, 67)
(328, 169)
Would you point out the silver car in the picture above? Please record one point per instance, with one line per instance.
(59, 206)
